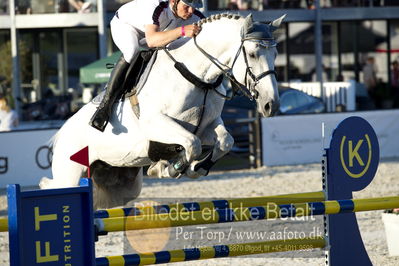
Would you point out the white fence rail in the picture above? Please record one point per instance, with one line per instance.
(288, 140)
(335, 93)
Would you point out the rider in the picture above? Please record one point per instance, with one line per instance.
(159, 22)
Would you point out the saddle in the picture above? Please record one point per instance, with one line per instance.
(135, 78)
(138, 71)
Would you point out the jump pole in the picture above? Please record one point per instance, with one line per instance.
(200, 205)
(219, 251)
(56, 225)
(3, 225)
(271, 211)
(207, 205)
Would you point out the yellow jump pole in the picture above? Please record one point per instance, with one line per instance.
(232, 250)
(217, 204)
(212, 216)
(231, 203)
(3, 224)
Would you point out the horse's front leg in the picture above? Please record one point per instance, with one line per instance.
(162, 128)
(217, 136)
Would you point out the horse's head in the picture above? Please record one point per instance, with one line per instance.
(244, 51)
(254, 65)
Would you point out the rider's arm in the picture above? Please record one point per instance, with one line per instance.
(156, 38)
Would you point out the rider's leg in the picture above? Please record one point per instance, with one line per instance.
(114, 89)
(126, 38)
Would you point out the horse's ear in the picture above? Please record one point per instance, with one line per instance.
(277, 22)
(249, 19)
(248, 24)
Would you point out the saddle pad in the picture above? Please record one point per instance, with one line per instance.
(144, 76)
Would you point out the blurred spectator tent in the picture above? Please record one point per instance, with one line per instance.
(98, 72)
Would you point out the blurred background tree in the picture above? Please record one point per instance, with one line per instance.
(6, 67)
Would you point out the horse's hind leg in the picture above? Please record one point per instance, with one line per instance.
(115, 186)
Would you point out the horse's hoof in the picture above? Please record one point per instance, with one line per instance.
(152, 171)
(44, 183)
(159, 169)
(171, 172)
(194, 173)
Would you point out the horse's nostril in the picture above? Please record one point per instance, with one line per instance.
(271, 108)
(268, 108)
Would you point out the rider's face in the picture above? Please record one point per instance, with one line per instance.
(184, 11)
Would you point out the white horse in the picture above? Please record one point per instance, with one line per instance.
(175, 115)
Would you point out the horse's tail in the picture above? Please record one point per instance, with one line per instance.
(115, 186)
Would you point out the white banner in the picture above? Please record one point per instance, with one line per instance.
(297, 139)
(25, 156)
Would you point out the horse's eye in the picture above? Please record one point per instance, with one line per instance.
(252, 55)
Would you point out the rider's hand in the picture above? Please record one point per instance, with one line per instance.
(192, 30)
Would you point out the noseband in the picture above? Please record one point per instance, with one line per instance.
(227, 71)
(248, 72)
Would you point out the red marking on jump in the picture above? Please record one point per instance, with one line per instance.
(82, 157)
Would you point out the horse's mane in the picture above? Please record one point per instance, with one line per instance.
(182, 41)
(218, 17)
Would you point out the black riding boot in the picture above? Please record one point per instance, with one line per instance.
(115, 85)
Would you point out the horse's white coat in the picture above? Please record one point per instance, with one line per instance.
(169, 109)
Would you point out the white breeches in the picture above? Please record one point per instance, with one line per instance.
(126, 38)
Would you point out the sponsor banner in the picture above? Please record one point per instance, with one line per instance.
(25, 156)
(288, 140)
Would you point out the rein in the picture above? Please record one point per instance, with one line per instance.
(250, 93)
(192, 78)
(227, 72)
(198, 83)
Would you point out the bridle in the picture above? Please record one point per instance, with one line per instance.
(227, 71)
